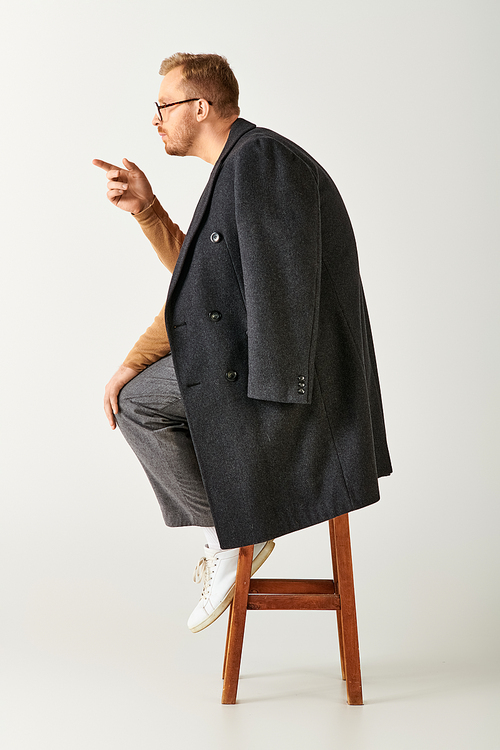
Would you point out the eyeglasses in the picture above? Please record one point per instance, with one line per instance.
(159, 107)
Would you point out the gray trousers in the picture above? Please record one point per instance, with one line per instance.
(152, 419)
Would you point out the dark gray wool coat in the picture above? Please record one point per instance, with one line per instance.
(272, 346)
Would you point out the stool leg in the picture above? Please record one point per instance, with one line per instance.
(236, 627)
(348, 610)
(336, 588)
(227, 640)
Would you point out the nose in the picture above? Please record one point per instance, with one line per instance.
(156, 120)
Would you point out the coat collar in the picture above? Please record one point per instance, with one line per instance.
(238, 128)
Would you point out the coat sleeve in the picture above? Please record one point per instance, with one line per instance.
(278, 225)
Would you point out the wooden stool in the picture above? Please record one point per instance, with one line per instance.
(280, 593)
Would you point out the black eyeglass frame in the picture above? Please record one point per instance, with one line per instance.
(159, 107)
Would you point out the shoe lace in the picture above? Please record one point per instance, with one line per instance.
(204, 572)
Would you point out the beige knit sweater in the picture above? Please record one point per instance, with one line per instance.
(166, 239)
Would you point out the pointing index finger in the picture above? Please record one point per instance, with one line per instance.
(104, 165)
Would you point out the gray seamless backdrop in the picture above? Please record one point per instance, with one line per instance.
(399, 101)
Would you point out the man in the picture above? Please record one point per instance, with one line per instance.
(257, 408)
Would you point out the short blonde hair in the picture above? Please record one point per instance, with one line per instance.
(208, 77)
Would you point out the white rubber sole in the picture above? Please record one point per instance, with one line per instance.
(256, 563)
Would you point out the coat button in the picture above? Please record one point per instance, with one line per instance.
(215, 315)
(231, 375)
(215, 237)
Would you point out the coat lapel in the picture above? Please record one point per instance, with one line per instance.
(239, 128)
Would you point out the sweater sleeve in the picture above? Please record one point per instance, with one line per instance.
(166, 239)
(165, 236)
(151, 346)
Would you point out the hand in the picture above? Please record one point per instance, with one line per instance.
(128, 188)
(113, 388)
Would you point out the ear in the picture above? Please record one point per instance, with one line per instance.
(203, 110)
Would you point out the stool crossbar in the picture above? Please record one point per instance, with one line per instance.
(336, 593)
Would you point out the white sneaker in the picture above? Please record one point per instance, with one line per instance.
(217, 570)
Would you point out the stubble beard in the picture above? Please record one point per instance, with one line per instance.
(180, 142)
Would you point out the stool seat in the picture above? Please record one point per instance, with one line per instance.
(260, 594)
